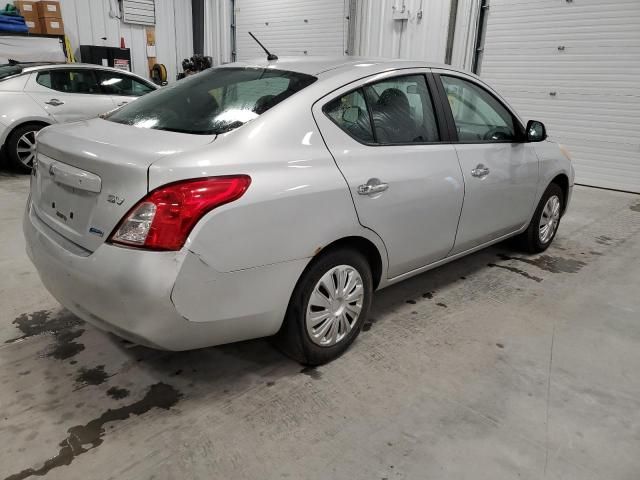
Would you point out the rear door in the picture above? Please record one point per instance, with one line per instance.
(69, 94)
(404, 177)
(500, 169)
(122, 88)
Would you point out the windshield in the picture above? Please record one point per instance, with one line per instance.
(213, 102)
(9, 70)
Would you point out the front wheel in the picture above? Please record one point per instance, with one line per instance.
(328, 308)
(21, 146)
(545, 221)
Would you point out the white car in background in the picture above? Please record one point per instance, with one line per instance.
(34, 96)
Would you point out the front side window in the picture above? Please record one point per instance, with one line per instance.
(69, 81)
(478, 115)
(119, 84)
(213, 102)
(402, 111)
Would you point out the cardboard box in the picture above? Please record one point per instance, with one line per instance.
(27, 8)
(33, 25)
(52, 26)
(49, 9)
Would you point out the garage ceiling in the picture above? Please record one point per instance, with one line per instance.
(575, 66)
(291, 27)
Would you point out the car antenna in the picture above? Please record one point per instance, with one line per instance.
(270, 56)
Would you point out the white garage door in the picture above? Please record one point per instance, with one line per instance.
(291, 27)
(575, 65)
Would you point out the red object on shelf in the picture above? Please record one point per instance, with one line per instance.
(122, 42)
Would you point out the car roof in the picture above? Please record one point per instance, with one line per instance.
(27, 68)
(326, 66)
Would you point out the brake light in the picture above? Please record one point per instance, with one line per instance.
(164, 218)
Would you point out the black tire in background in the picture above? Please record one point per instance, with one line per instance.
(293, 339)
(14, 142)
(529, 240)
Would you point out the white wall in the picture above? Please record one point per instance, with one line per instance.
(87, 22)
(218, 17)
(378, 35)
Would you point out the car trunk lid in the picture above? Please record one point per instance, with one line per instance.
(90, 174)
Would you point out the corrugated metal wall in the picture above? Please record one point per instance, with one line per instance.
(423, 36)
(291, 27)
(218, 17)
(576, 67)
(95, 22)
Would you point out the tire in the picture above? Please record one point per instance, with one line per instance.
(296, 339)
(532, 239)
(22, 161)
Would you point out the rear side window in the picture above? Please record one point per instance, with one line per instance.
(213, 102)
(120, 84)
(9, 70)
(69, 81)
(400, 108)
(351, 115)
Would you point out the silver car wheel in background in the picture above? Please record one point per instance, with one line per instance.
(334, 305)
(26, 148)
(549, 219)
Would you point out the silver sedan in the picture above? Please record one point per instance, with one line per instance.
(272, 198)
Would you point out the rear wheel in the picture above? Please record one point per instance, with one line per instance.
(328, 308)
(545, 221)
(21, 146)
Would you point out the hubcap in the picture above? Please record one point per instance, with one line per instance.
(549, 219)
(334, 306)
(26, 148)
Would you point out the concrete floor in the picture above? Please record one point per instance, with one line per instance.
(497, 366)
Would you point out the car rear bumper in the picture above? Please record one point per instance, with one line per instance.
(166, 300)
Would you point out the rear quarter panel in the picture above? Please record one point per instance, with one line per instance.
(297, 203)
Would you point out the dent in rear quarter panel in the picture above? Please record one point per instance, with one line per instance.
(297, 201)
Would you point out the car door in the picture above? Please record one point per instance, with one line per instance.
(500, 169)
(68, 94)
(121, 87)
(404, 177)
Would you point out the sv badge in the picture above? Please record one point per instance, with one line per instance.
(115, 199)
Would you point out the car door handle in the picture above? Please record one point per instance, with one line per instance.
(122, 103)
(373, 186)
(480, 171)
(54, 102)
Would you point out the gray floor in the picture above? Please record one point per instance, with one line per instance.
(498, 366)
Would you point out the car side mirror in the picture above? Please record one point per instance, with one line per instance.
(536, 131)
(351, 114)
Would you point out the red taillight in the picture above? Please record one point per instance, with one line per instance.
(164, 218)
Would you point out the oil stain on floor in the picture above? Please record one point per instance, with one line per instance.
(549, 263)
(83, 438)
(516, 270)
(92, 376)
(64, 326)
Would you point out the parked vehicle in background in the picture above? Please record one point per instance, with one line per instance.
(273, 197)
(34, 96)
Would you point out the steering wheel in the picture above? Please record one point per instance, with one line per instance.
(497, 133)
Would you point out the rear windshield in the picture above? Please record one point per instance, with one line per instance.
(212, 102)
(9, 70)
